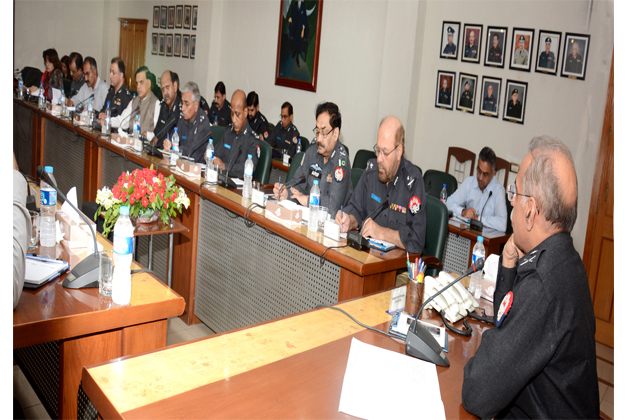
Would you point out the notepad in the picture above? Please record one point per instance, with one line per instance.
(40, 270)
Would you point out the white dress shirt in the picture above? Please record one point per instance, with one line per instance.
(469, 195)
(124, 118)
(99, 95)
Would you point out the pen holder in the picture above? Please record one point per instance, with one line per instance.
(414, 297)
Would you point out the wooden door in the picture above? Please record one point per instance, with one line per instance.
(599, 247)
(132, 40)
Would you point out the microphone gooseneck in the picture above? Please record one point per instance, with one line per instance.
(486, 202)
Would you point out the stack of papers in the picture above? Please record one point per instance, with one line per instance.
(40, 270)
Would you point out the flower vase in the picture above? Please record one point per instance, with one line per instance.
(147, 217)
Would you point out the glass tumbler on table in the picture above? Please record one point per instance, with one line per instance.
(107, 267)
(33, 238)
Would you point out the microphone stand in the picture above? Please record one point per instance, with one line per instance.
(355, 239)
(476, 224)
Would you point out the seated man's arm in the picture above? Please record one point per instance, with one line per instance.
(340, 190)
(157, 112)
(272, 137)
(21, 228)
(122, 118)
(499, 219)
(200, 140)
(456, 201)
(355, 210)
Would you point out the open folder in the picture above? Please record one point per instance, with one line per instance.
(41, 270)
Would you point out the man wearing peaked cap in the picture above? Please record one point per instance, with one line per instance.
(515, 107)
(521, 55)
(450, 48)
(547, 59)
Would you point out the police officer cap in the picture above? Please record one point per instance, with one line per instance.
(548, 40)
(522, 38)
(450, 30)
(515, 91)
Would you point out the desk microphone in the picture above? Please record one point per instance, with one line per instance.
(87, 272)
(355, 239)
(163, 129)
(79, 107)
(419, 340)
(222, 178)
(476, 224)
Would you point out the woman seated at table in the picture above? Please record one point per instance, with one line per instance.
(53, 76)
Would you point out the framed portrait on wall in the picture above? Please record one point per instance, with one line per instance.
(495, 51)
(169, 45)
(192, 52)
(299, 32)
(491, 91)
(164, 17)
(467, 92)
(449, 40)
(157, 16)
(187, 17)
(575, 56)
(161, 44)
(516, 101)
(445, 90)
(194, 18)
(472, 41)
(548, 52)
(171, 16)
(177, 45)
(179, 9)
(521, 49)
(154, 44)
(185, 46)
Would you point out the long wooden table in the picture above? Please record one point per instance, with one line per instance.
(57, 331)
(288, 368)
(40, 138)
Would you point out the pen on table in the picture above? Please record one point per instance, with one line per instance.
(342, 220)
(279, 186)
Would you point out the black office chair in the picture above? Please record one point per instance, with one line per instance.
(435, 235)
(356, 174)
(67, 86)
(296, 162)
(31, 76)
(362, 157)
(305, 143)
(263, 167)
(271, 127)
(434, 180)
(217, 133)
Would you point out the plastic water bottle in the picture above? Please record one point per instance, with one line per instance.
(313, 207)
(247, 177)
(299, 146)
(444, 193)
(210, 154)
(90, 113)
(42, 97)
(48, 211)
(20, 88)
(122, 256)
(175, 147)
(136, 133)
(106, 128)
(475, 287)
(62, 102)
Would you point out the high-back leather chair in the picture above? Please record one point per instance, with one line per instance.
(462, 158)
(261, 174)
(436, 234)
(434, 180)
(217, 133)
(362, 157)
(356, 174)
(305, 143)
(296, 162)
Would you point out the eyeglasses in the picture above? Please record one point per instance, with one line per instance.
(377, 151)
(512, 192)
(319, 132)
(114, 73)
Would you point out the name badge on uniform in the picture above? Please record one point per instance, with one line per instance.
(376, 198)
(183, 137)
(315, 173)
(227, 146)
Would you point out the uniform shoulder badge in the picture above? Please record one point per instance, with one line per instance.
(504, 308)
(294, 139)
(414, 204)
(332, 155)
(339, 174)
(258, 151)
(266, 134)
(370, 165)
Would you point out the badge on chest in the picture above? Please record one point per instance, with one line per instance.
(315, 170)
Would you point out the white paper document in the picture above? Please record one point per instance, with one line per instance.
(383, 384)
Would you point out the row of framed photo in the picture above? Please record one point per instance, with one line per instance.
(173, 45)
(175, 16)
(466, 97)
(521, 47)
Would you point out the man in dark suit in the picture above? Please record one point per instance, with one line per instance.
(444, 94)
(515, 107)
(547, 59)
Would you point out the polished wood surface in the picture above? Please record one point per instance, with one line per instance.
(146, 229)
(278, 164)
(289, 367)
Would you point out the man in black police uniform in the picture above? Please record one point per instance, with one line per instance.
(285, 135)
(326, 161)
(393, 185)
(490, 100)
(515, 107)
(470, 49)
(444, 94)
(539, 361)
(118, 96)
(450, 48)
(574, 61)
(238, 140)
(169, 114)
(466, 100)
(257, 121)
(494, 52)
(219, 112)
(193, 126)
(75, 71)
(547, 59)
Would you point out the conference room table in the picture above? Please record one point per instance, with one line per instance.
(57, 331)
(291, 367)
(231, 270)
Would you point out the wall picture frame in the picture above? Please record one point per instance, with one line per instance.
(548, 51)
(192, 47)
(521, 49)
(194, 18)
(169, 45)
(187, 17)
(467, 92)
(155, 44)
(450, 39)
(297, 60)
(163, 17)
(177, 45)
(171, 16)
(495, 49)
(516, 101)
(156, 20)
(161, 44)
(179, 10)
(575, 56)
(490, 96)
(471, 43)
(445, 84)
(185, 46)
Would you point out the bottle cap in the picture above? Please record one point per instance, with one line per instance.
(480, 239)
(108, 103)
(124, 210)
(49, 169)
(444, 185)
(175, 128)
(249, 156)
(210, 141)
(316, 182)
